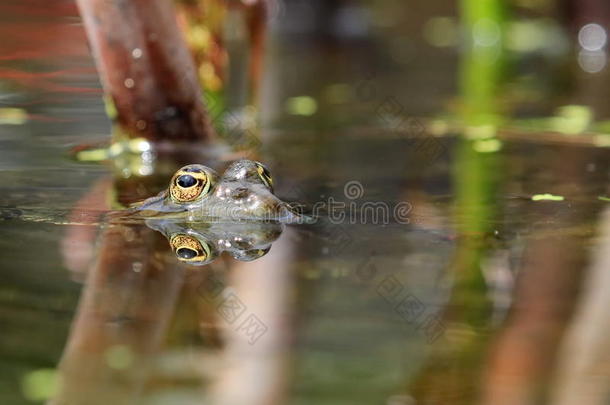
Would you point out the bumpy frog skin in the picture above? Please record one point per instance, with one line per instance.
(201, 243)
(197, 194)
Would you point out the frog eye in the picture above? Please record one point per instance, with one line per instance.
(189, 184)
(189, 249)
(265, 175)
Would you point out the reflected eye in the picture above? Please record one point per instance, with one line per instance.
(189, 249)
(185, 253)
(189, 184)
(265, 175)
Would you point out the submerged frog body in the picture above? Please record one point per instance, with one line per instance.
(201, 243)
(243, 193)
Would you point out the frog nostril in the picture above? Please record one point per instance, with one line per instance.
(241, 244)
(186, 181)
(186, 253)
(240, 192)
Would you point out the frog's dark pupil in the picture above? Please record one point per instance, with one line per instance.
(186, 181)
(186, 253)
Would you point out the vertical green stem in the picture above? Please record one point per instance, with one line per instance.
(475, 172)
(476, 177)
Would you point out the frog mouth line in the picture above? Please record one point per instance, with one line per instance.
(155, 208)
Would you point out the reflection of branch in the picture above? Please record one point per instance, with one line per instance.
(546, 291)
(525, 352)
(122, 317)
(584, 372)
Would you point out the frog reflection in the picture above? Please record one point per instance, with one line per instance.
(243, 193)
(201, 243)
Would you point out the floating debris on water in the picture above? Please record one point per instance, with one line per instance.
(40, 385)
(487, 145)
(13, 116)
(547, 197)
(302, 105)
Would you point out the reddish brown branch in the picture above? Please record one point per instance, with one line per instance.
(146, 69)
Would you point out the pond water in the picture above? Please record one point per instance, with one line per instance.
(457, 258)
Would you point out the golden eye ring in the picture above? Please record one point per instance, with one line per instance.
(189, 249)
(189, 184)
(265, 175)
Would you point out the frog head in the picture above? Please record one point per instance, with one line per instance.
(196, 193)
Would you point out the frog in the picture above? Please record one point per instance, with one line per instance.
(243, 193)
(201, 243)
